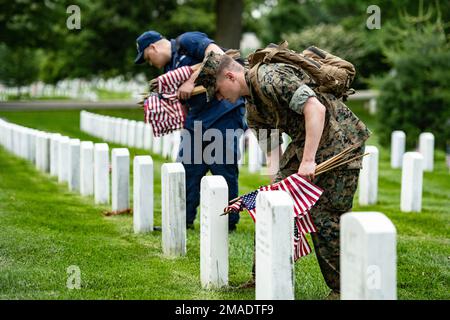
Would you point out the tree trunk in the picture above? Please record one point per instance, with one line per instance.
(229, 23)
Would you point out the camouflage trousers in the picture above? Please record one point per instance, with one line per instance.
(339, 187)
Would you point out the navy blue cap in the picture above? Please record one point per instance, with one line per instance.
(143, 41)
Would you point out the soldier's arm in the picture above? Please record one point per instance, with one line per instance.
(212, 47)
(314, 113)
(185, 90)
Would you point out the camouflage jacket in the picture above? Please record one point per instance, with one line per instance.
(285, 86)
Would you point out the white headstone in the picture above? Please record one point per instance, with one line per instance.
(63, 159)
(213, 232)
(426, 148)
(24, 143)
(139, 139)
(368, 177)
(43, 152)
(368, 257)
(83, 124)
(54, 146)
(111, 128)
(254, 158)
(124, 131)
(131, 133)
(157, 143)
(412, 179)
(173, 205)
(274, 246)
(398, 140)
(117, 130)
(176, 141)
(32, 145)
(17, 141)
(37, 150)
(101, 173)
(120, 158)
(167, 145)
(86, 168)
(143, 194)
(74, 165)
(148, 136)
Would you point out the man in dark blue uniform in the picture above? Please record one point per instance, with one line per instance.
(189, 49)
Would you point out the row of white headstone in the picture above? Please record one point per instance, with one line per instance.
(76, 88)
(137, 134)
(131, 133)
(85, 167)
(368, 247)
(413, 165)
(425, 148)
(368, 240)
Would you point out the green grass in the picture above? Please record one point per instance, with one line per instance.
(44, 229)
(104, 94)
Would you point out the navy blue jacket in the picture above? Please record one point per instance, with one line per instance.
(187, 50)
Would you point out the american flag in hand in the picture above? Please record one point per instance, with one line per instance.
(163, 110)
(304, 195)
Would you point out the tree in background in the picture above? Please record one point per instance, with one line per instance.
(18, 68)
(105, 44)
(415, 95)
(229, 22)
(351, 45)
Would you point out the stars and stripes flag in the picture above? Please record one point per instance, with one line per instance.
(163, 110)
(304, 195)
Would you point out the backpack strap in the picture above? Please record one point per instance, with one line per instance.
(253, 76)
(254, 83)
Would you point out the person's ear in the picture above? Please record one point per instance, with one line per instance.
(153, 47)
(230, 75)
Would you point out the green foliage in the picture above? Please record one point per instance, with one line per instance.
(290, 16)
(18, 67)
(415, 95)
(351, 45)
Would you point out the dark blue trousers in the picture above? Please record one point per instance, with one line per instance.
(196, 171)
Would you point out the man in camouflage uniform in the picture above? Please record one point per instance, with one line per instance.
(320, 126)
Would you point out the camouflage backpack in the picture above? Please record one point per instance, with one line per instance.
(329, 73)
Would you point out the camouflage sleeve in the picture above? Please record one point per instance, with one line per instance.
(299, 98)
(285, 86)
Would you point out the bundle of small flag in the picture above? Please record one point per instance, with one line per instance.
(304, 195)
(163, 110)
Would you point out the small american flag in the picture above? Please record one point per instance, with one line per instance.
(163, 110)
(304, 195)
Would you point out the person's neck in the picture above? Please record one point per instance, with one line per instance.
(245, 90)
(167, 47)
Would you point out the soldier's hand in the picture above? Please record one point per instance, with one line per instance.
(307, 170)
(185, 90)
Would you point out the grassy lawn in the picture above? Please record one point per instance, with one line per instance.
(44, 229)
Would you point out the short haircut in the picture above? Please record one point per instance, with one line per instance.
(228, 63)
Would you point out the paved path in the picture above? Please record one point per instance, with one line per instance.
(115, 104)
(67, 104)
